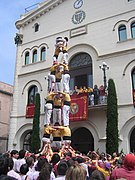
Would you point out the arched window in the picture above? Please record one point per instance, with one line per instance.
(27, 58)
(27, 141)
(81, 71)
(133, 85)
(133, 30)
(36, 27)
(122, 33)
(34, 59)
(43, 54)
(31, 94)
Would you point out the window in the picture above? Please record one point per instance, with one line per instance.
(133, 85)
(27, 58)
(36, 27)
(43, 54)
(122, 33)
(34, 59)
(81, 71)
(31, 94)
(27, 141)
(133, 30)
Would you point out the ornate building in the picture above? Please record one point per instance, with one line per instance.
(97, 33)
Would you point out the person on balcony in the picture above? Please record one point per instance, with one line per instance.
(96, 95)
(102, 95)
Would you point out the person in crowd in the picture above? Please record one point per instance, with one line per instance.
(76, 172)
(23, 172)
(14, 155)
(82, 162)
(30, 163)
(54, 162)
(61, 170)
(97, 175)
(11, 171)
(4, 168)
(21, 160)
(46, 172)
(39, 166)
(127, 171)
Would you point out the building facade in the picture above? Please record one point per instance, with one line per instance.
(6, 95)
(97, 33)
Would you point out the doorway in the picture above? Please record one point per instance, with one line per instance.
(82, 140)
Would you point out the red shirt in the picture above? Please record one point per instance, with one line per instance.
(123, 173)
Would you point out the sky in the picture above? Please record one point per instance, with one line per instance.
(10, 11)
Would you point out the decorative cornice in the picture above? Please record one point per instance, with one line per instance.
(42, 9)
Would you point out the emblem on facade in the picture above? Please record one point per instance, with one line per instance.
(73, 108)
(78, 4)
(78, 17)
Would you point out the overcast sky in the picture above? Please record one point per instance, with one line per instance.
(10, 11)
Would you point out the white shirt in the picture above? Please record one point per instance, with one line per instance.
(30, 173)
(12, 173)
(60, 177)
(18, 164)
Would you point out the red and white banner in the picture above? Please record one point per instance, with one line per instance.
(79, 107)
(30, 111)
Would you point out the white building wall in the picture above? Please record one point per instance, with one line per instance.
(100, 41)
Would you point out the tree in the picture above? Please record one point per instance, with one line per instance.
(112, 119)
(35, 138)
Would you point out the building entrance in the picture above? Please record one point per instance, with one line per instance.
(82, 140)
(132, 141)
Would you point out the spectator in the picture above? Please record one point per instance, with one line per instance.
(21, 160)
(97, 175)
(40, 164)
(76, 172)
(54, 160)
(96, 94)
(127, 171)
(4, 166)
(30, 163)
(61, 169)
(11, 171)
(82, 161)
(23, 171)
(45, 173)
(14, 155)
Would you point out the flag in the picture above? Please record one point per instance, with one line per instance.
(79, 107)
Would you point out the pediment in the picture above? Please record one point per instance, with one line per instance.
(43, 8)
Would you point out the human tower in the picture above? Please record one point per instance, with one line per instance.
(56, 120)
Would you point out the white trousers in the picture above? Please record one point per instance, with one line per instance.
(65, 115)
(65, 58)
(51, 82)
(48, 113)
(65, 82)
(58, 87)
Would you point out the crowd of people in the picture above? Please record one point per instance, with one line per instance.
(97, 95)
(66, 164)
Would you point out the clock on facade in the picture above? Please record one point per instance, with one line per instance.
(78, 4)
(78, 17)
